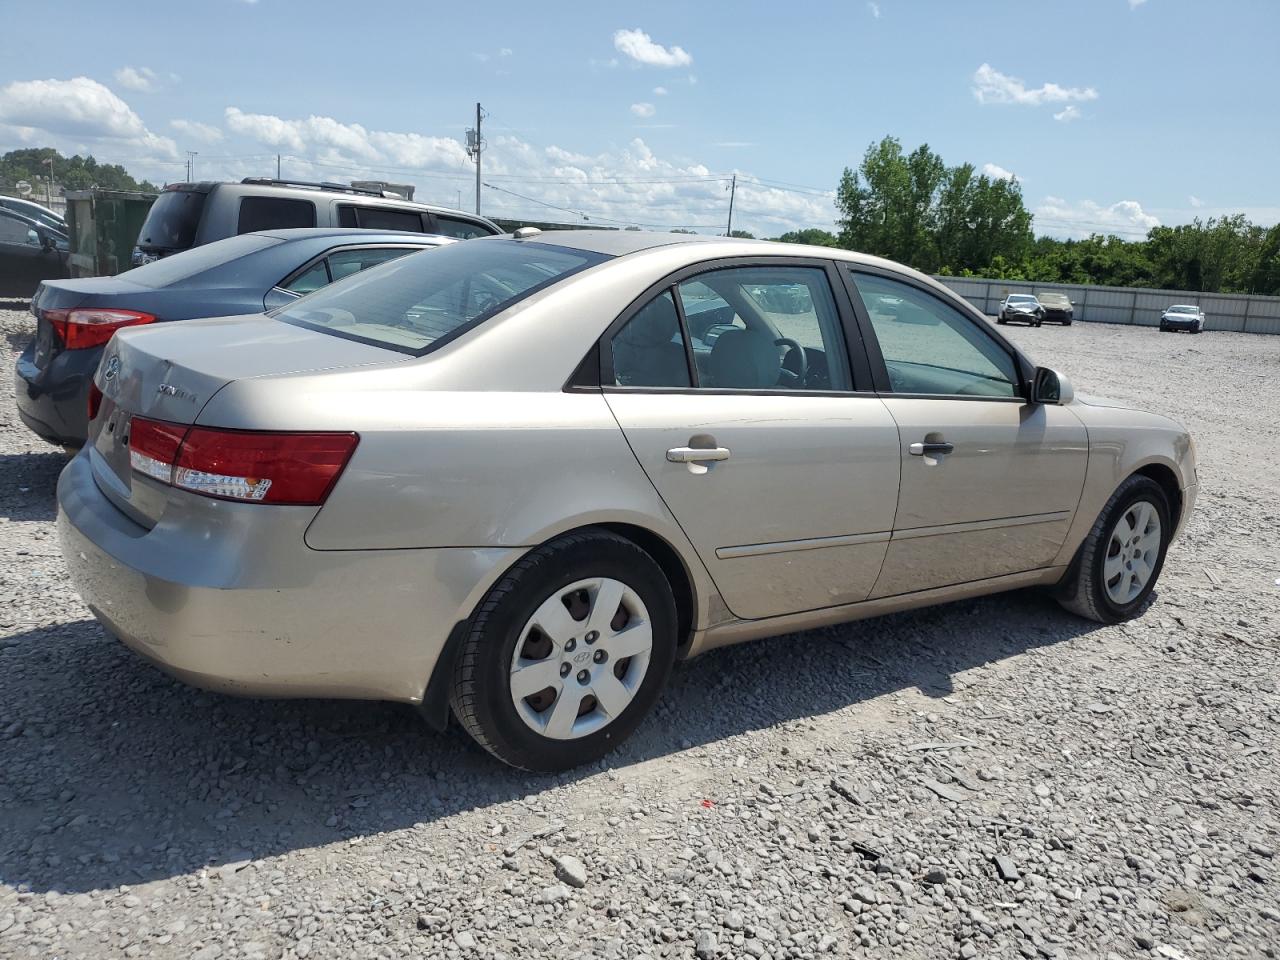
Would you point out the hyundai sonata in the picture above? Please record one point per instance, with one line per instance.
(516, 479)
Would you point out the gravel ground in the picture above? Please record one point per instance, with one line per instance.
(989, 779)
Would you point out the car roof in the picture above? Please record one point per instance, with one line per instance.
(356, 235)
(1184, 306)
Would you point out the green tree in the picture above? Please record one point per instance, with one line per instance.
(812, 236)
(742, 234)
(913, 208)
(70, 173)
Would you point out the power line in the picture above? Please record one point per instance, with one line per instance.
(601, 217)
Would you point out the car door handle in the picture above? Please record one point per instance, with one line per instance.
(920, 449)
(697, 454)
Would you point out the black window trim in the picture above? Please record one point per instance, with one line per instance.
(880, 372)
(860, 369)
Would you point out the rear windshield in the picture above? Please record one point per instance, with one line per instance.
(172, 221)
(1021, 298)
(417, 303)
(183, 266)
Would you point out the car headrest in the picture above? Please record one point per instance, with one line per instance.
(655, 324)
(747, 359)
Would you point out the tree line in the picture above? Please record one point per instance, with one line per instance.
(69, 173)
(913, 208)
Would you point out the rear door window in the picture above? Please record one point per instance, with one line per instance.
(386, 218)
(275, 213)
(172, 221)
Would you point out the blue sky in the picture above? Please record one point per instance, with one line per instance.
(1115, 115)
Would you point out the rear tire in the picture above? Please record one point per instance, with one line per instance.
(549, 620)
(1000, 319)
(1117, 566)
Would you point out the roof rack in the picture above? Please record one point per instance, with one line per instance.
(313, 185)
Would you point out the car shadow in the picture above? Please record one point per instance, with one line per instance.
(15, 303)
(117, 774)
(30, 484)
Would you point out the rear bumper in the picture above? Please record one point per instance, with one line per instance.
(251, 610)
(53, 402)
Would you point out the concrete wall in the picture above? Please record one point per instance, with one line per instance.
(1132, 305)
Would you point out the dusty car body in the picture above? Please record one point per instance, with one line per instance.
(1187, 316)
(1058, 307)
(518, 496)
(1021, 307)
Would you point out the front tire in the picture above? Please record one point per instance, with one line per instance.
(567, 653)
(1116, 568)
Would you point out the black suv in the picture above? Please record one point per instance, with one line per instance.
(187, 215)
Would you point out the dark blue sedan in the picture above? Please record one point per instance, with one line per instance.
(245, 274)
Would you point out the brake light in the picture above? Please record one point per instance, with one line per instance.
(81, 329)
(244, 465)
(153, 447)
(95, 401)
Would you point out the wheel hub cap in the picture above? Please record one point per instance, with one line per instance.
(581, 658)
(1132, 552)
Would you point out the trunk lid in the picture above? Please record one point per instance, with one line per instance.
(68, 294)
(170, 371)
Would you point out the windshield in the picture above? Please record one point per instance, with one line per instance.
(1053, 298)
(1021, 298)
(1184, 309)
(185, 265)
(417, 303)
(172, 220)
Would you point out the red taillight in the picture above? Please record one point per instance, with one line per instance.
(257, 467)
(95, 401)
(153, 447)
(80, 329)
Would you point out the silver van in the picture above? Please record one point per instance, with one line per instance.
(187, 215)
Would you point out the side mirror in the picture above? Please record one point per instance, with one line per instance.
(1050, 386)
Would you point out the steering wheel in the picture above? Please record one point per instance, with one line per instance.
(795, 377)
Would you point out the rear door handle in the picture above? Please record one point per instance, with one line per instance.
(697, 454)
(920, 449)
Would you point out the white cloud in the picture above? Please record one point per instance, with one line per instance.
(199, 131)
(1068, 113)
(643, 109)
(618, 187)
(639, 46)
(997, 173)
(734, 144)
(1135, 4)
(1195, 201)
(1061, 218)
(992, 86)
(79, 108)
(504, 52)
(874, 8)
(659, 91)
(142, 79)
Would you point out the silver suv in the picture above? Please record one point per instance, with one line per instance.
(187, 215)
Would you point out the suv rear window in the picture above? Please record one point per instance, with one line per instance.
(172, 220)
(275, 213)
(415, 304)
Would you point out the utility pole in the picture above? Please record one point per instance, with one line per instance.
(191, 165)
(733, 188)
(48, 184)
(277, 166)
(475, 144)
